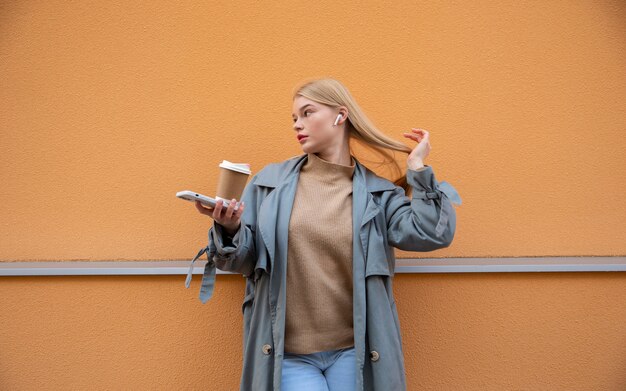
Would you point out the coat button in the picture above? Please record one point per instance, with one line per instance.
(374, 355)
(267, 349)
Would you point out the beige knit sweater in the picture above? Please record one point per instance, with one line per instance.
(319, 259)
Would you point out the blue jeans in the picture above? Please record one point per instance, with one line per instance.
(331, 370)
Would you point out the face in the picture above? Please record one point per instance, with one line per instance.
(313, 123)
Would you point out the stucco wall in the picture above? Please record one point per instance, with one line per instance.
(108, 109)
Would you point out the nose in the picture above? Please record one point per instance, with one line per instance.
(297, 125)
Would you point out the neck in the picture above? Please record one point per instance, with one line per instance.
(337, 155)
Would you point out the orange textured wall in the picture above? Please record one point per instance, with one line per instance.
(108, 109)
(492, 331)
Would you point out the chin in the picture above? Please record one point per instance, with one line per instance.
(308, 149)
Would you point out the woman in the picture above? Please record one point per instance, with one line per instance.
(314, 237)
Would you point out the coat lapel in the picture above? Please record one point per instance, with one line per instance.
(365, 182)
(274, 216)
(360, 201)
(278, 177)
(364, 209)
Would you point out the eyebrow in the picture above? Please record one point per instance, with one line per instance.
(302, 108)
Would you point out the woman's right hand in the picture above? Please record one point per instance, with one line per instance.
(229, 218)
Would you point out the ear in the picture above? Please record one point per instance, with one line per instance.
(344, 114)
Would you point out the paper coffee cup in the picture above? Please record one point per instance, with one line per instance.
(232, 180)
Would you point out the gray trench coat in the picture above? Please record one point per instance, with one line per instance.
(383, 216)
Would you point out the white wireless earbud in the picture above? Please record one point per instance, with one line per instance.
(337, 120)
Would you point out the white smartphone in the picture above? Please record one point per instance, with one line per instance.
(192, 196)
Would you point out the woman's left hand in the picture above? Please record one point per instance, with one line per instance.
(421, 150)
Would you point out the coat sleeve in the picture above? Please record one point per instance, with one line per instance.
(237, 253)
(426, 221)
(234, 254)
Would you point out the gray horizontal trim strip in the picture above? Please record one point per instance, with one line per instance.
(403, 265)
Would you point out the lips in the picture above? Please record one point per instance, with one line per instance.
(301, 137)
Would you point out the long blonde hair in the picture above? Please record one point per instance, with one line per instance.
(333, 93)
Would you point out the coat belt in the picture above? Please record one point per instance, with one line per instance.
(208, 279)
(444, 195)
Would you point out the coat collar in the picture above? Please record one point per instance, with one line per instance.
(275, 174)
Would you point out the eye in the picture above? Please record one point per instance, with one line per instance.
(305, 112)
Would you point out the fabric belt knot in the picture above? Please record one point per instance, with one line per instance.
(433, 194)
(445, 195)
(208, 278)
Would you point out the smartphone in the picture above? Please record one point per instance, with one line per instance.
(192, 196)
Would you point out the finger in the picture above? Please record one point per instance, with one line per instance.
(231, 208)
(236, 206)
(217, 212)
(423, 133)
(208, 207)
(203, 209)
(413, 137)
(240, 210)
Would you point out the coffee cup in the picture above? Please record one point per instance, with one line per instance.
(232, 180)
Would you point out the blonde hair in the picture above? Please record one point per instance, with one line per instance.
(333, 93)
